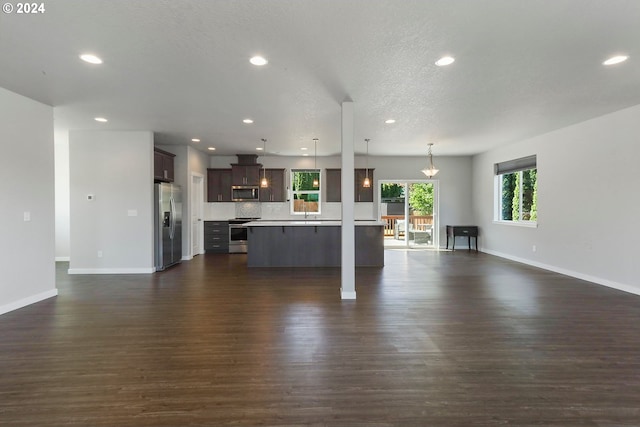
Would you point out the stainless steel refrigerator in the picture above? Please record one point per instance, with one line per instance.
(168, 225)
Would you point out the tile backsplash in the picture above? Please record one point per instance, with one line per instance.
(278, 211)
(248, 210)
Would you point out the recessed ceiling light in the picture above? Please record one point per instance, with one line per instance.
(615, 60)
(100, 119)
(211, 148)
(304, 148)
(259, 148)
(305, 154)
(247, 121)
(390, 121)
(195, 140)
(91, 59)
(445, 60)
(258, 60)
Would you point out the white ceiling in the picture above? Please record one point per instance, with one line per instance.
(180, 68)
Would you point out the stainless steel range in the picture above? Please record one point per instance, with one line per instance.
(238, 235)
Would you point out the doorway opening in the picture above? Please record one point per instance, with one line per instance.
(409, 212)
(197, 225)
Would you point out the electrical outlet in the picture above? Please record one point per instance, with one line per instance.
(27, 216)
(99, 254)
(534, 248)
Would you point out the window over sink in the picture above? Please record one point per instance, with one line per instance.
(305, 191)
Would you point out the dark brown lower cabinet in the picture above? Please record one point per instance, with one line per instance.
(216, 236)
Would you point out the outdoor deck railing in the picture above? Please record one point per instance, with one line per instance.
(415, 221)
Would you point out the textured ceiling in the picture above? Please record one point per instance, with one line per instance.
(181, 69)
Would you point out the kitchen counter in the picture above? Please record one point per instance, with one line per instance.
(306, 222)
(311, 243)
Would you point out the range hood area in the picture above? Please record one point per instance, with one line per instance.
(245, 179)
(247, 159)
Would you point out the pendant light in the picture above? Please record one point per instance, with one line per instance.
(264, 183)
(367, 182)
(431, 170)
(316, 183)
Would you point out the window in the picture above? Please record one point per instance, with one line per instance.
(305, 191)
(516, 190)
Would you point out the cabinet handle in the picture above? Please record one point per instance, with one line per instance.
(165, 174)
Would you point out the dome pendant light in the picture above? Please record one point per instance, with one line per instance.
(315, 160)
(430, 171)
(264, 183)
(367, 182)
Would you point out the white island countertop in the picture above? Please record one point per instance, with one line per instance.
(309, 222)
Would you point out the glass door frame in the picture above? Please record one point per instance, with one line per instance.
(435, 238)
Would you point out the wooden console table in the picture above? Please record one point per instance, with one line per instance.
(462, 230)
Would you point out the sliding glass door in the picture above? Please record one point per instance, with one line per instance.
(408, 209)
(392, 211)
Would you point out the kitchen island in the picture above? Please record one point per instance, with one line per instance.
(311, 243)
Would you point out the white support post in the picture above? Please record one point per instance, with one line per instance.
(348, 289)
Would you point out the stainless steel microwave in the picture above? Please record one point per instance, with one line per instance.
(245, 193)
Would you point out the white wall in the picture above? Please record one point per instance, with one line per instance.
(587, 201)
(116, 167)
(26, 186)
(198, 164)
(454, 181)
(61, 141)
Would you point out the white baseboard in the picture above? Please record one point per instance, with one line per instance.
(187, 258)
(111, 270)
(347, 294)
(63, 258)
(28, 301)
(598, 280)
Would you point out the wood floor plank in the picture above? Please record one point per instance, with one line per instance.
(433, 339)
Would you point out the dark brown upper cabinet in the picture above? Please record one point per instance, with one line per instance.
(245, 174)
(333, 190)
(363, 194)
(163, 168)
(218, 185)
(275, 192)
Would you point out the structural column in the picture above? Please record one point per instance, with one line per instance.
(348, 288)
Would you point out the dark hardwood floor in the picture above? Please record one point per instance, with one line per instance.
(434, 339)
